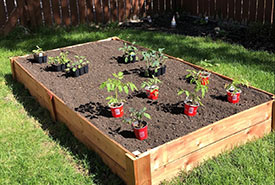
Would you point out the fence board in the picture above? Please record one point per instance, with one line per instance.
(56, 12)
(224, 9)
(10, 6)
(135, 7)
(201, 7)
(252, 8)
(47, 12)
(114, 11)
(35, 13)
(106, 14)
(121, 10)
(231, 8)
(194, 7)
(168, 5)
(2, 13)
(82, 11)
(260, 12)
(161, 6)
(74, 12)
(90, 12)
(268, 11)
(245, 10)
(65, 13)
(238, 15)
(155, 6)
(212, 8)
(127, 9)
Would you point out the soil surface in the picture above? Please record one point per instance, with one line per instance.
(168, 121)
(253, 36)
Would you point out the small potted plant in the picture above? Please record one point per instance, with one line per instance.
(151, 88)
(39, 55)
(60, 62)
(140, 126)
(201, 76)
(83, 63)
(233, 91)
(155, 62)
(116, 86)
(193, 100)
(130, 53)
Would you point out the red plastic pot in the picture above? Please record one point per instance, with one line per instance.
(152, 92)
(205, 77)
(117, 111)
(140, 133)
(233, 97)
(190, 109)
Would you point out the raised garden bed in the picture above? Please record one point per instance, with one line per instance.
(175, 141)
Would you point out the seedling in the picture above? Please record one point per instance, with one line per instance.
(151, 83)
(37, 50)
(206, 63)
(197, 76)
(192, 96)
(61, 59)
(234, 86)
(130, 52)
(80, 62)
(117, 86)
(136, 116)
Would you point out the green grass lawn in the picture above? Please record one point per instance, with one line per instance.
(34, 150)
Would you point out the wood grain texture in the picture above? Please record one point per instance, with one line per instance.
(138, 170)
(36, 89)
(80, 125)
(74, 12)
(245, 14)
(121, 10)
(10, 6)
(65, 13)
(135, 7)
(56, 12)
(106, 11)
(47, 12)
(127, 9)
(273, 116)
(82, 11)
(268, 11)
(2, 14)
(114, 11)
(192, 160)
(252, 15)
(198, 139)
(90, 11)
(260, 12)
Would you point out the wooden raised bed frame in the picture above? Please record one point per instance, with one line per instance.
(165, 161)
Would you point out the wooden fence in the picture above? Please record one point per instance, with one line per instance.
(72, 12)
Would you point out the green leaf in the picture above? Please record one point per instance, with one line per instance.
(147, 115)
(126, 90)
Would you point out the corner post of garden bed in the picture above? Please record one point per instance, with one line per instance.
(138, 171)
(12, 60)
(273, 115)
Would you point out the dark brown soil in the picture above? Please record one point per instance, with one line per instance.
(168, 121)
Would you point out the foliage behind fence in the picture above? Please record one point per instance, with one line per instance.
(72, 12)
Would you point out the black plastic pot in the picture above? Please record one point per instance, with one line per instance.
(163, 70)
(40, 59)
(81, 71)
(153, 72)
(133, 60)
(86, 69)
(75, 73)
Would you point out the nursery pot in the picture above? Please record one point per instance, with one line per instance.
(163, 69)
(81, 71)
(233, 98)
(205, 77)
(86, 69)
(140, 133)
(154, 72)
(40, 58)
(117, 111)
(189, 108)
(58, 67)
(152, 92)
(133, 60)
(75, 73)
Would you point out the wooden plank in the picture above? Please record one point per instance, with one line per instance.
(224, 9)
(201, 7)
(36, 89)
(74, 120)
(168, 5)
(114, 10)
(11, 23)
(138, 170)
(12, 60)
(31, 12)
(231, 9)
(2, 13)
(121, 10)
(194, 159)
(74, 12)
(212, 5)
(127, 9)
(156, 6)
(135, 7)
(56, 12)
(161, 6)
(268, 11)
(82, 11)
(47, 12)
(161, 155)
(238, 6)
(219, 6)
(245, 14)
(252, 15)
(65, 13)
(273, 116)
(106, 14)
(142, 11)
(194, 8)
(10, 6)
(98, 11)
(90, 11)
(260, 11)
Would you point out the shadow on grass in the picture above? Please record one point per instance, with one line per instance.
(101, 174)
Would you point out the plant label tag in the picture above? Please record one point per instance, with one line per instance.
(191, 110)
(234, 98)
(40, 55)
(117, 111)
(141, 134)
